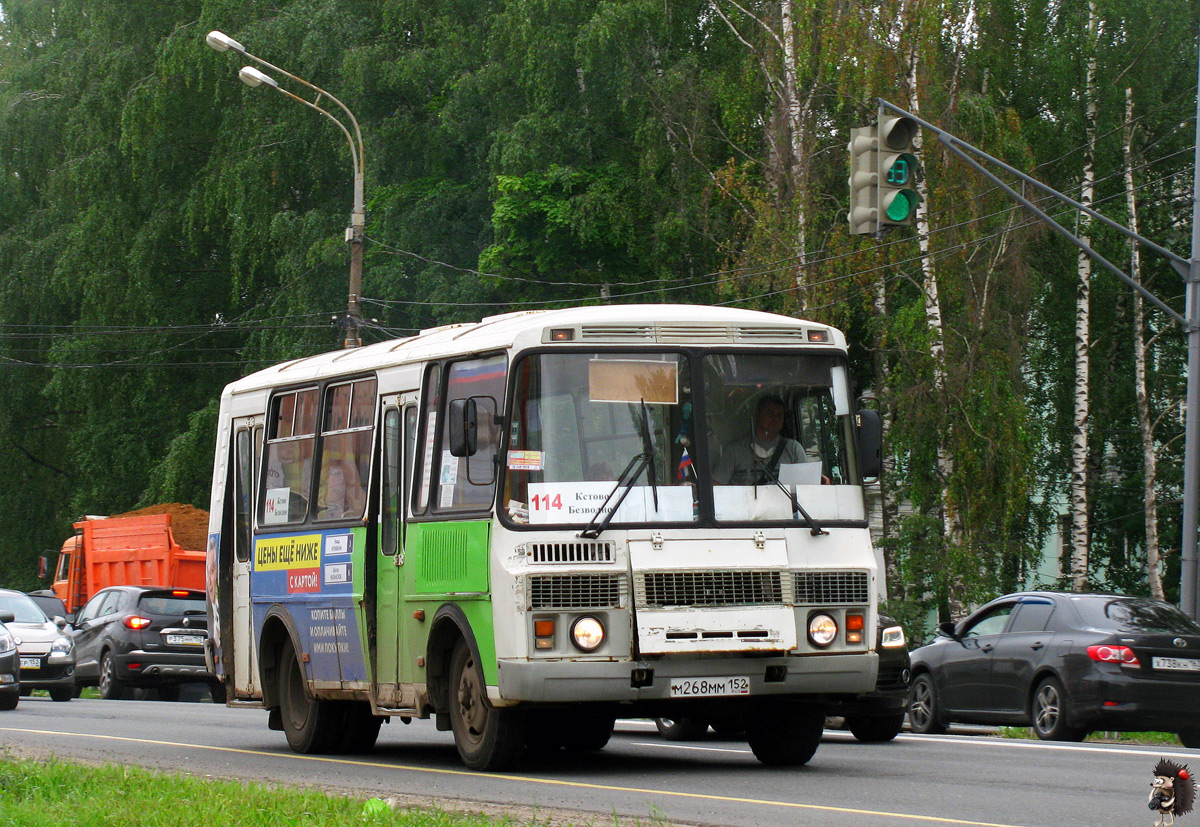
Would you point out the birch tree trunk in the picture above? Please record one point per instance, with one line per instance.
(796, 134)
(1145, 426)
(1083, 298)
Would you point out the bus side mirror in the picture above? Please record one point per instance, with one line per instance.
(463, 423)
(869, 428)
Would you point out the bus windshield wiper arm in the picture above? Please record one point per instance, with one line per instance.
(791, 495)
(600, 519)
(648, 452)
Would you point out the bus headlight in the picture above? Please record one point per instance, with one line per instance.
(822, 630)
(587, 633)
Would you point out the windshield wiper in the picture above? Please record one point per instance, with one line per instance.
(625, 481)
(791, 495)
(648, 451)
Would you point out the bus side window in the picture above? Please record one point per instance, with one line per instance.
(389, 516)
(243, 474)
(469, 482)
(346, 450)
(290, 440)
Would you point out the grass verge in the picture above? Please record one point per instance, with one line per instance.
(54, 793)
(1168, 739)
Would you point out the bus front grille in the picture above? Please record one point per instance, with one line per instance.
(576, 591)
(710, 588)
(569, 552)
(832, 588)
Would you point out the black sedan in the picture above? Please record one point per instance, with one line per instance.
(1064, 664)
(129, 637)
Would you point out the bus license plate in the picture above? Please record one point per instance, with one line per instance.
(708, 687)
(1186, 664)
(185, 640)
(31, 663)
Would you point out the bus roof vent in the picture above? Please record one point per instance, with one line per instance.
(693, 333)
(569, 553)
(617, 333)
(769, 334)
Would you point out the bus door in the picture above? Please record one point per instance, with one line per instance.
(391, 655)
(247, 450)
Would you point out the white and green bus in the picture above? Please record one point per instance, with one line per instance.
(528, 527)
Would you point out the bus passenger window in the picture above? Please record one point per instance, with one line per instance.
(290, 439)
(346, 450)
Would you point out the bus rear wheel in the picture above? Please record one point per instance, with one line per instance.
(310, 724)
(487, 738)
(783, 734)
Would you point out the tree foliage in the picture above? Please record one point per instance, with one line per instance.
(164, 229)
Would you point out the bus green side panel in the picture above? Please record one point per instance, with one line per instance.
(449, 562)
(453, 557)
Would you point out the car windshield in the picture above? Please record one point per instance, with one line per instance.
(165, 604)
(23, 608)
(1134, 614)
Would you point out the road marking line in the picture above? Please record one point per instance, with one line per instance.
(1106, 749)
(525, 779)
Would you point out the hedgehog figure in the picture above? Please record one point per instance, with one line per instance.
(1172, 792)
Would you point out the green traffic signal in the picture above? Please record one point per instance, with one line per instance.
(900, 172)
(901, 206)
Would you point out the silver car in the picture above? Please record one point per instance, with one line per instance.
(46, 652)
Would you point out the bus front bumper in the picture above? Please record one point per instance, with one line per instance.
(651, 680)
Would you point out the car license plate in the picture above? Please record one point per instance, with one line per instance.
(1185, 664)
(708, 687)
(31, 663)
(185, 640)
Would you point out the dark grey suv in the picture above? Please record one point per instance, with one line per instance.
(129, 637)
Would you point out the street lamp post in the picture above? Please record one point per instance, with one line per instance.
(355, 232)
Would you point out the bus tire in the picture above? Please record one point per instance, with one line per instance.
(487, 738)
(311, 725)
(361, 728)
(783, 734)
(588, 731)
(876, 730)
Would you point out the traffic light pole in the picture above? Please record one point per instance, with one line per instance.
(1189, 320)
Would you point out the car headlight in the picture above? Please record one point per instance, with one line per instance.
(587, 633)
(892, 637)
(7, 641)
(61, 645)
(822, 630)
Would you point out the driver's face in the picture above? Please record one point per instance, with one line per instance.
(769, 419)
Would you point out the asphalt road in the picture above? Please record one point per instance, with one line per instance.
(639, 778)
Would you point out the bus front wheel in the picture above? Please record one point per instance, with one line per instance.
(487, 738)
(310, 724)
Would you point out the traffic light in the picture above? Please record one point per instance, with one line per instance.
(898, 171)
(883, 175)
(864, 178)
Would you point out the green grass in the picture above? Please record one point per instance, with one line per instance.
(1149, 738)
(55, 793)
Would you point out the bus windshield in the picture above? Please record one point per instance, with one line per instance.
(585, 426)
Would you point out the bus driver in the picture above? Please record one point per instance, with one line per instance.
(756, 461)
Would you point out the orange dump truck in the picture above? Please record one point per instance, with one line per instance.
(135, 549)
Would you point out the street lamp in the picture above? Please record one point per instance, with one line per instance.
(252, 77)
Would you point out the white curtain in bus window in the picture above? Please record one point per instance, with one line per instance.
(290, 441)
(346, 450)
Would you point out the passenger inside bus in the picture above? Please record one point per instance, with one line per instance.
(754, 459)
